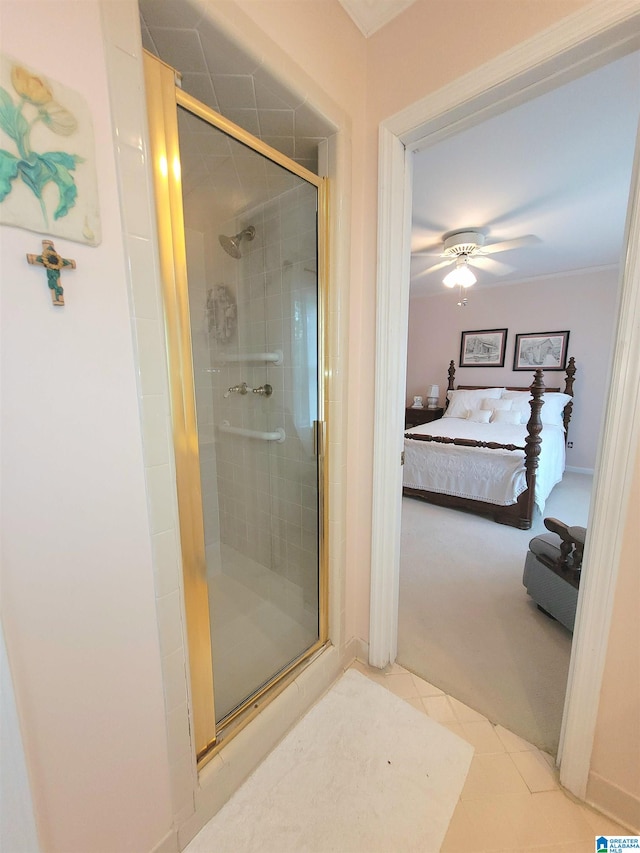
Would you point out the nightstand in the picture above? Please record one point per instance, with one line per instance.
(415, 417)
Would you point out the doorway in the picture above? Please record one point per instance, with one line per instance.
(466, 623)
(242, 236)
(575, 46)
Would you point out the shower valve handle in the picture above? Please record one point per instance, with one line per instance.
(266, 390)
(237, 389)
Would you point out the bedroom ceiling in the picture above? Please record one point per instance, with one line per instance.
(558, 167)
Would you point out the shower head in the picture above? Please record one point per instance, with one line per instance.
(231, 245)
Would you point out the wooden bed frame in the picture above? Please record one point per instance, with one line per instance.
(519, 514)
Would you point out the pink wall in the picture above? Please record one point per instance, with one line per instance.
(584, 304)
(614, 779)
(435, 41)
(78, 604)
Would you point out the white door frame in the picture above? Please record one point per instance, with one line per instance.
(598, 34)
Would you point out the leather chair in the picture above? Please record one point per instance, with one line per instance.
(552, 570)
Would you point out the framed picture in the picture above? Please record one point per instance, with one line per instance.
(484, 348)
(541, 349)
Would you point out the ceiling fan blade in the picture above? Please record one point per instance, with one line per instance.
(436, 266)
(435, 250)
(505, 245)
(430, 269)
(491, 265)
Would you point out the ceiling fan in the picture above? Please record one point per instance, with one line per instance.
(467, 246)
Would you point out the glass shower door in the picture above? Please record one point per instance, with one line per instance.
(256, 369)
(246, 268)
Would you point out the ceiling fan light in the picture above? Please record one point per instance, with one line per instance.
(460, 276)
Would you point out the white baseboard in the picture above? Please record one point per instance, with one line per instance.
(169, 843)
(575, 470)
(612, 801)
(361, 649)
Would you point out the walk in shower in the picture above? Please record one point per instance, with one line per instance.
(241, 236)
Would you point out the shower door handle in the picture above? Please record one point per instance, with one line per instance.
(318, 438)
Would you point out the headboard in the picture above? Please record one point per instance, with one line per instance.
(570, 373)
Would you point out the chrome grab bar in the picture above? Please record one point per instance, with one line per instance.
(277, 435)
(274, 357)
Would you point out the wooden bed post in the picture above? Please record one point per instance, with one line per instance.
(568, 389)
(533, 441)
(451, 373)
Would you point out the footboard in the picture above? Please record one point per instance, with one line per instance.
(518, 514)
(514, 515)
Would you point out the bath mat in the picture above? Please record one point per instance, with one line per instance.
(363, 771)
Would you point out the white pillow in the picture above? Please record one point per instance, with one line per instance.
(516, 395)
(506, 417)
(553, 408)
(496, 405)
(479, 416)
(551, 413)
(519, 403)
(460, 402)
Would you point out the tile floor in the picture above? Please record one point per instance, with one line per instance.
(511, 801)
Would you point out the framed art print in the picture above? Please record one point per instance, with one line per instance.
(48, 179)
(541, 349)
(483, 348)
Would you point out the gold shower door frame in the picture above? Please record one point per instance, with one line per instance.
(163, 99)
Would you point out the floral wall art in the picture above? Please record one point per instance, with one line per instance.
(48, 178)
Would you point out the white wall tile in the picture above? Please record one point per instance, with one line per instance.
(167, 562)
(175, 683)
(170, 623)
(126, 110)
(152, 364)
(156, 428)
(178, 731)
(162, 498)
(183, 786)
(137, 215)
(142, 267)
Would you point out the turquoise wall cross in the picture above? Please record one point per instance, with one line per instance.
(53, 263)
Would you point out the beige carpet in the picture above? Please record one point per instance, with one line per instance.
(466, 623)
(362, 772)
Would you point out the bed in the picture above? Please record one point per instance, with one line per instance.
(497, 450)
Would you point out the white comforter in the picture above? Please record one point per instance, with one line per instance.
(494, 476)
